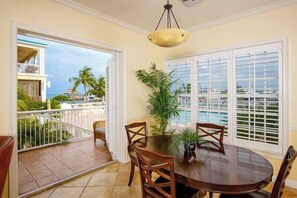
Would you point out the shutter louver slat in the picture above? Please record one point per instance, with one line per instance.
(212, 93)
(181, 71)
(257, 100)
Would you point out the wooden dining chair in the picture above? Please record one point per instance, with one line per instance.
(279, 185)
(134, 132)
(162, 168)
(6, 148)
(214, 133)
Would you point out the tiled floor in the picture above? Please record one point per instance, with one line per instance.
(111, 182)
(42, 167)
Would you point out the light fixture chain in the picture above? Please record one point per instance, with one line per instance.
(175, 19)
(160, 20)
(168, 19)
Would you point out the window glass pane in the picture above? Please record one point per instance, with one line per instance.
(212, 89)
(181, 72)
(257, 105)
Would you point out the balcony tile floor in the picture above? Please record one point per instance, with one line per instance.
(42, 167)
(111, 182)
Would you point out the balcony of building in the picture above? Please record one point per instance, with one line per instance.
(55, 145)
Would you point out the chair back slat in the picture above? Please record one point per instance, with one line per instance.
(158, 165)
(135, 131)
(215, 134)
(284, 172)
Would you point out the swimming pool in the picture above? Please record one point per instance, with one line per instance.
(203, 116)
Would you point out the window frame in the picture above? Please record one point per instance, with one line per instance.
(283, 95)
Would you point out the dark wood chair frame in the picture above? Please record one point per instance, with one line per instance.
(149, 187)
(134, 131)
(6, 148)
(99, 135)
(202, 129)
(279, 185)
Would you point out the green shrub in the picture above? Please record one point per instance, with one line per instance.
(55, 104)
(40, 134)
(61, 98)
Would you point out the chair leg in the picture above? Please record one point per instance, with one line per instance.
(131, 173)
(210, 194)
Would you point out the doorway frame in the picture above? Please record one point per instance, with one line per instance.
(118, 108)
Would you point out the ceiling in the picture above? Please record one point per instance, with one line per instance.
(144, 14)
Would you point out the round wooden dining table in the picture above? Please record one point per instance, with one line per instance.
(232, 170)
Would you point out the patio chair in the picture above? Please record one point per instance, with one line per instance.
(279, 185)
(6, 148)
(99, 130)
(162, 168)
(134, 131)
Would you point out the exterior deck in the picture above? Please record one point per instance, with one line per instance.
(46, 166)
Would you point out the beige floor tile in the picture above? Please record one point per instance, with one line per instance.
(44, 194)
(67, 192)
(123, 178)
(102, 179)
(98, 192)
(126, 191)
(112, 184)
(112, 168)
(125, 167)
(81, 181)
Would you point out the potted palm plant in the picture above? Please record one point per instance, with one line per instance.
(188, 137)
(163, 101)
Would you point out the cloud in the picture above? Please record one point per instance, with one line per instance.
(64, 61)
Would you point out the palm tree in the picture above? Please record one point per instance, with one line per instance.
(84, 77)
(23, 100)
(97, 86)
(163, 102)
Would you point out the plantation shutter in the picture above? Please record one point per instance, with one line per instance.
(181, 72)
(108, 102)
(257, 98)
(211, 82)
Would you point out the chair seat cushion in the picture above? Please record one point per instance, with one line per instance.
(100, 130)
(182, 191)
(257, 194)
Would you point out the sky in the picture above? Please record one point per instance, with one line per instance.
(64, 61)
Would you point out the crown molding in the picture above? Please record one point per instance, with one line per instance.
(100, 15)
(266, 8)
(241, 15)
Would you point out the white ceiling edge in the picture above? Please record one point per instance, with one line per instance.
(77, 6)
(100, 15)
(245, 14)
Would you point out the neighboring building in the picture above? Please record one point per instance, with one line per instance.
(30, 68)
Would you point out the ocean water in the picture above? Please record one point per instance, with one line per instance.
(51, 95)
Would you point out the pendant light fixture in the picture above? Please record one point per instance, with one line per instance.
(168, 37)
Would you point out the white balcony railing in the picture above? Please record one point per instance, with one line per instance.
(28, 68)
(47, 127)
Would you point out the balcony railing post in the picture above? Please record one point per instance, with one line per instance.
(61, 127)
